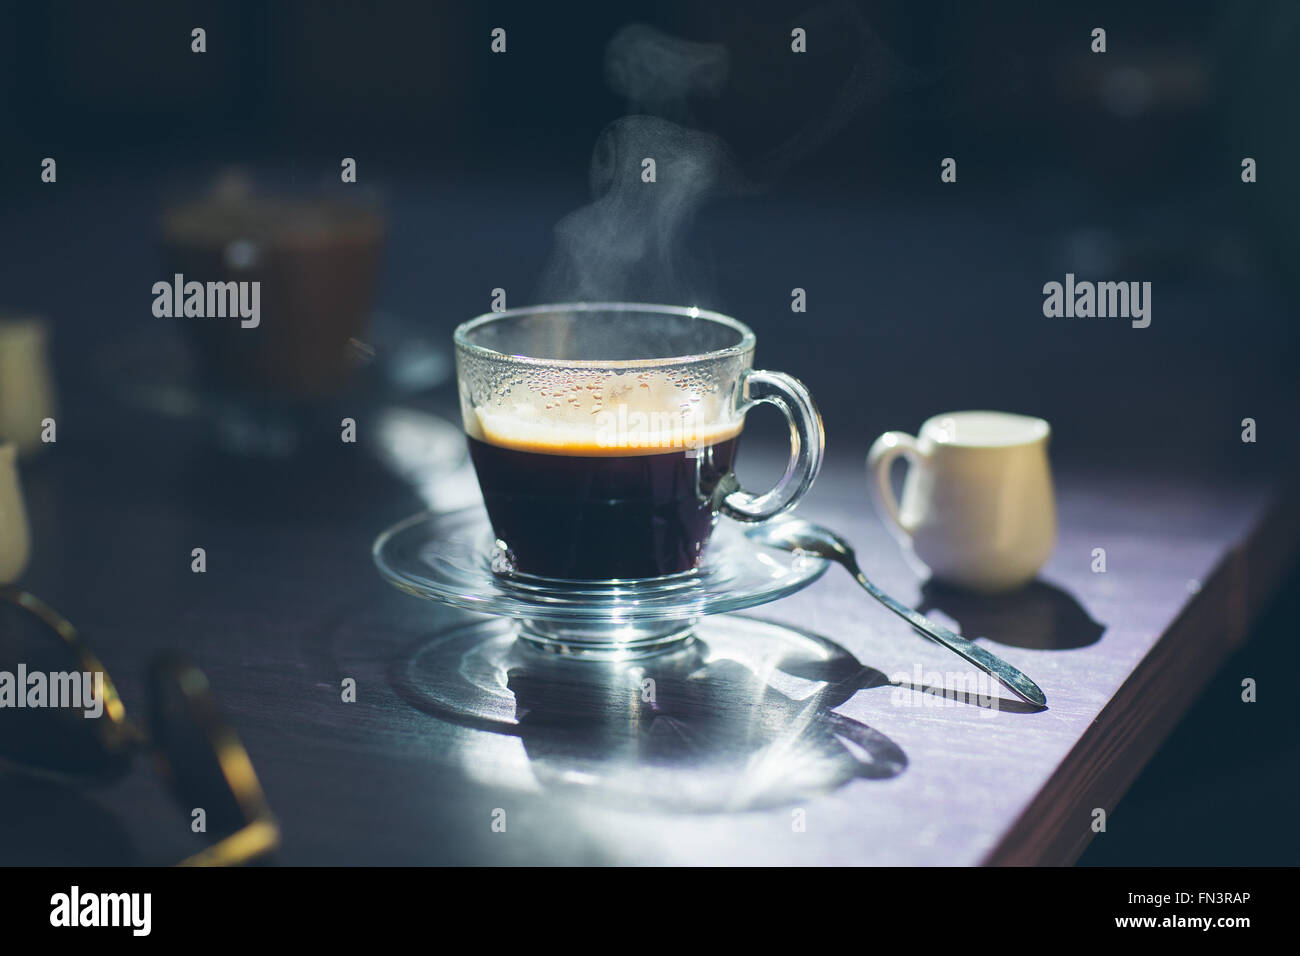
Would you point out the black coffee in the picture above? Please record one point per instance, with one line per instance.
(582, 513)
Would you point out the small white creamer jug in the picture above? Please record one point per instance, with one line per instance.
(978, 507)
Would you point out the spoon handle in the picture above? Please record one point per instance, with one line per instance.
(989, 663)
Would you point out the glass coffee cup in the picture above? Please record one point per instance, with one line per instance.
(604, 435)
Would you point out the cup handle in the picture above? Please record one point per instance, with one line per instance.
(879, 461)
(807, 444)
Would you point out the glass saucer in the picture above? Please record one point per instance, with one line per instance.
(453, 559)
(744, 717)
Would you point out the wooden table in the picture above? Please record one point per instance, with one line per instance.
(290, 606)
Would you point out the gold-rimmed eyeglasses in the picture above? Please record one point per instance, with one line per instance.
(64, 718)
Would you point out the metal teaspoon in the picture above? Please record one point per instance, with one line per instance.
(796, 534)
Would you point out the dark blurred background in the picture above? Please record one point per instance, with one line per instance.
(922, 296)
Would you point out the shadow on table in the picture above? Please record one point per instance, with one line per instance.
(1039, 616)
(45, 823)
(722, 725)
(845, 677)
(310, 488)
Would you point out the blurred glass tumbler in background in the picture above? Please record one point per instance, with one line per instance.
(14, 538)
(26, 388)
(316, 260)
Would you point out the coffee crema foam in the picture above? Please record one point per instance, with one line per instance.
(641, 414)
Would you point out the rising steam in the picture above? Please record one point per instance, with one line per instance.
(631, 242)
